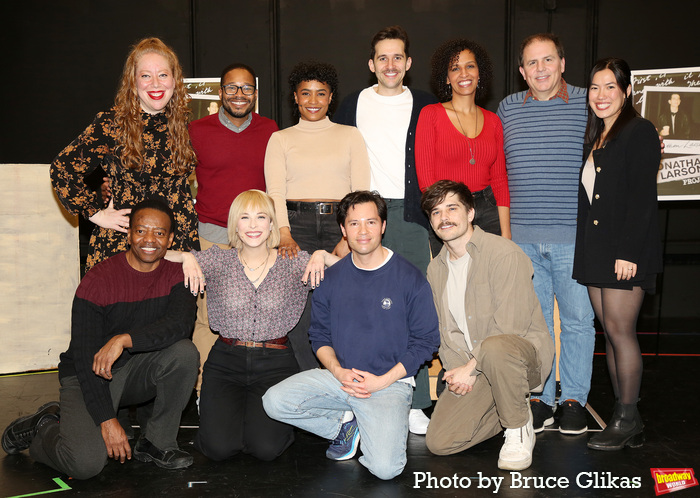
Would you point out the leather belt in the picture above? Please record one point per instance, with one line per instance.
(313, 207)
(279, 343)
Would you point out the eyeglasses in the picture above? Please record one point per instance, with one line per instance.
(232, 89)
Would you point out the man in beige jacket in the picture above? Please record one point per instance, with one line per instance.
(494, 343)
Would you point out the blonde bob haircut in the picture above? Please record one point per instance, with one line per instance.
(255, 201)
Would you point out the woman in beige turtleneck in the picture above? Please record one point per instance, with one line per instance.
(309, 167)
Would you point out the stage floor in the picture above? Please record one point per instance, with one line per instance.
(669, 399)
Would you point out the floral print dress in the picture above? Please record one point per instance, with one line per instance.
(158, 177)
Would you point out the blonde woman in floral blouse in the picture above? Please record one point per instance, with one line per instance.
(254, 298)
(143, 145)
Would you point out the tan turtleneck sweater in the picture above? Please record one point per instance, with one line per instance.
(314, 160)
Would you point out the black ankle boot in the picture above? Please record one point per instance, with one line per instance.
(625, 429)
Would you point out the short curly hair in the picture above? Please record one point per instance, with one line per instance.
(446, 55)
(313, 71)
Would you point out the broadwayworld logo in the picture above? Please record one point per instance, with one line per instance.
(670, 480)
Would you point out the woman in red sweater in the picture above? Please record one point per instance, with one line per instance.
(458, 140)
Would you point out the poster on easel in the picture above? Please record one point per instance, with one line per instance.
(204, 96)
(670, 98)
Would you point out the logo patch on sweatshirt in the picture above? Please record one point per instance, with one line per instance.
(386, 303)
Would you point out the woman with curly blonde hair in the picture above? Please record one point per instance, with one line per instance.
(143, 145)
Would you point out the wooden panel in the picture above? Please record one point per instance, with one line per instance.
(39, 269)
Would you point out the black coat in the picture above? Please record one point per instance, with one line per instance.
(622, 222)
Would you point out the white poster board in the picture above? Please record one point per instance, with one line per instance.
(39, 269)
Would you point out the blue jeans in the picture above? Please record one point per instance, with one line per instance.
(553, 264)
(313, 401)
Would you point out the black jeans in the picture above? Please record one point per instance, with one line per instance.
(486, 209)
(232, 419)
(312, 231)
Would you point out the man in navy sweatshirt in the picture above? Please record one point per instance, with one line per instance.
(386, 114)
(131, 321)
(373, 324)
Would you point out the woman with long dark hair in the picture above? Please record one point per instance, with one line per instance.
(458, 140)
(618, 248)
(142, 144)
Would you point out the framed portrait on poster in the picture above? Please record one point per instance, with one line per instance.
(204, 95)
(670, 98)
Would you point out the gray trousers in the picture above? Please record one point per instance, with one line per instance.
(509, 367)
(75, 445)
(410, 240)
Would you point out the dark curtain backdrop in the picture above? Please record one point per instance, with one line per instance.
(62, 60)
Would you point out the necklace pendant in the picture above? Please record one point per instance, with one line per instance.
(472, 161)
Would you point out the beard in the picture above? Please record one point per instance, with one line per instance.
(238, 113)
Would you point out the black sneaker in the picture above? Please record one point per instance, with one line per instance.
(542, 415)
(572, 417)
(145, 451)
(19, 434)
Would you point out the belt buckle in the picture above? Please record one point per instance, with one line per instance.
(324, 208)
(250, 344)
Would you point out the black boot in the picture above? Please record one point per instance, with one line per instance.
(625, 429)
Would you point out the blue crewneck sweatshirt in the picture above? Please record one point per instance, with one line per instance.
(375, 319)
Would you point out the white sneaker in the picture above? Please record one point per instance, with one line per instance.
(516, 453)
(417, 421)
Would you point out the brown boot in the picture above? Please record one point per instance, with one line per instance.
(625, 429)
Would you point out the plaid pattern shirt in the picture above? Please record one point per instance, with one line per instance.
(563, 94)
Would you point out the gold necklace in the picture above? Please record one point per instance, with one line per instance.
(476, 127)
(240, 255)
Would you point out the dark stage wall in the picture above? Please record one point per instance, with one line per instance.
(62, 60)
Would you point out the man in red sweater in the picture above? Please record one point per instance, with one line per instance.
(230, 147)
